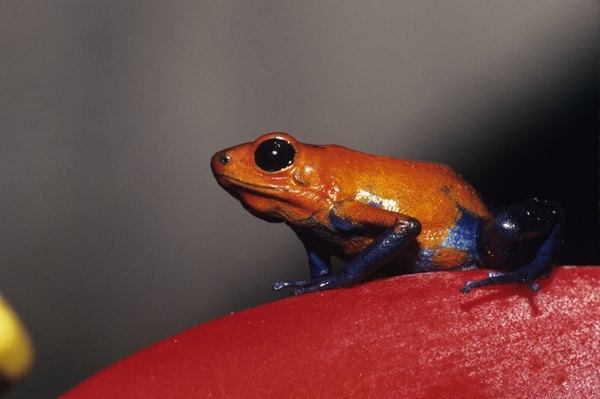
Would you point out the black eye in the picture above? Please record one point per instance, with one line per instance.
(274, 154)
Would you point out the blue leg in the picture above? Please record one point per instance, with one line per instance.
(320, 266)
(319, 263)
(389, 244)
(524, 239)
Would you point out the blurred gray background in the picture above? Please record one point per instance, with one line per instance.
(114, 233)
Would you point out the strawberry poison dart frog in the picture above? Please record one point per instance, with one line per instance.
(372, 211)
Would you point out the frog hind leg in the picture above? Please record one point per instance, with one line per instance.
(524, 239)
(391, 242)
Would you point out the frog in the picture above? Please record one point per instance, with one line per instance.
(372, 211)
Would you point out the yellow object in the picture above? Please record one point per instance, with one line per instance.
(16, 351)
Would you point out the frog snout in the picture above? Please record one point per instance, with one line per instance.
(219, 161)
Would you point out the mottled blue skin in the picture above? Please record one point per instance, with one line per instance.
(523, 238)
(463, 236)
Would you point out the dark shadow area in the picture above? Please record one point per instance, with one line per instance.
(557, 159)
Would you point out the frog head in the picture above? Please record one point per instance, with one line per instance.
(274, 177)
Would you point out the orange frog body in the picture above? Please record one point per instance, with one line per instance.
(373, 211)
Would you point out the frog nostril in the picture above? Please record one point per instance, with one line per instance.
(225, 159)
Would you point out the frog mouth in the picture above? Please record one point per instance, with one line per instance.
(227, 181)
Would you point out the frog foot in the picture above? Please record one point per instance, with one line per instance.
(315, 284)
(526, 276)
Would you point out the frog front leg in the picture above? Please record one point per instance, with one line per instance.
(349, 216)
(319, 262)
(524, 239)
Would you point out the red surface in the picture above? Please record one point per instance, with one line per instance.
(411, 336)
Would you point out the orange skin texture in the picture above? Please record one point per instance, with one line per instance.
(367, 190)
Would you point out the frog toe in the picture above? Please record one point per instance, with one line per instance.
(314, 284)
(523, 276)
(278, 285)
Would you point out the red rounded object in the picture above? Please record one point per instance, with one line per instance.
(410, 336)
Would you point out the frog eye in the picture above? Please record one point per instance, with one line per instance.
(274, 154)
